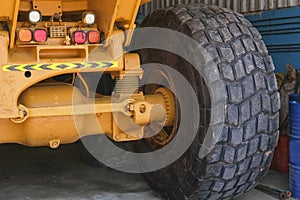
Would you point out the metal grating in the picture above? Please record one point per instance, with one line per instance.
(58, 31)
(241, 6)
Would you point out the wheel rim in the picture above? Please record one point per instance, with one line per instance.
(158, 136)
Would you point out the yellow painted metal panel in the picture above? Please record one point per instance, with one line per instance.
(8, 9)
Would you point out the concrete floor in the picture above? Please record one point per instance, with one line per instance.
(42, 173)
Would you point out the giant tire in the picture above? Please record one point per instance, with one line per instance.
(244, 151)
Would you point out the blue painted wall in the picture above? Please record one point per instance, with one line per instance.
(281, 32)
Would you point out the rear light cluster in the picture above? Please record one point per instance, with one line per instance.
(86, 37)
(32, 35)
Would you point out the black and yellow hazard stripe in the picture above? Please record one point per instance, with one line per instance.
(60, 66)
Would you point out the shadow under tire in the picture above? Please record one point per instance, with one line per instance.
(85, 155)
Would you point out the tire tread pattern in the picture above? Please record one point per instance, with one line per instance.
(245, 149)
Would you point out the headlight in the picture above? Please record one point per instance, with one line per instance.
(35, 16)
(89, 18)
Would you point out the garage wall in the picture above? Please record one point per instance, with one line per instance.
(281, 33)
(242, 6)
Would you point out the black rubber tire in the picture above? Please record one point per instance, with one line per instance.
(245, 149)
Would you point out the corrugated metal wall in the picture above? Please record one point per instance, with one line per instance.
(242, 6)
(281, 33)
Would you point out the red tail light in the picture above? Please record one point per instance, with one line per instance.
(94, 37)
(79, 37)
(40, 35)
(25, 35)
